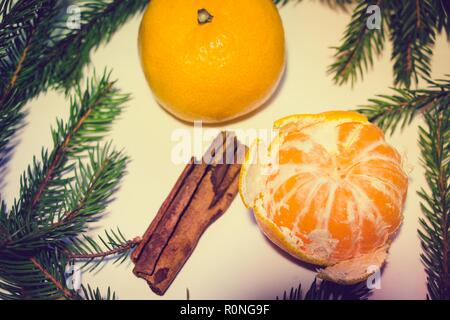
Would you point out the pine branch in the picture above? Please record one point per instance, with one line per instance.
(325, 290)
(41, 277)
(413, 35)
(66, 292)
(413, 25)
(100, 20)
(390, 111)
(343, 5)
(89, 193)
(38, 277)
(5, 7)
(46, 204)
(114, 244)
(95, 294)
(92, 113)
(20, 26)
(113, 249)
(435, 234)
(88, 197)
(60, 196)
(57, 58)
(355, 55)
(38, 219)
(443, 16)
(92, 186)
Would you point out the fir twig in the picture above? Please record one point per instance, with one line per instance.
(343, 5)
(355, 55)
(435, 234)
(38, 277)
(413, 31)
(118, 249)
(5, 7)
(46, 215)
(412, 25)
(390, 111)
(44, 197)
(325, 290)
(22, 22)
(59, 196)
(443, 16)
(100, 20)
(29, 66)
(66, 292)
(114, 245)
(95, 294)
(433, 103)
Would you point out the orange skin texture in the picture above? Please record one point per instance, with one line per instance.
(215, 71)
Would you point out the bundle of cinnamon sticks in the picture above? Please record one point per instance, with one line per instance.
(203, 192)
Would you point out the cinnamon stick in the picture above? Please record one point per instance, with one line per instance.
(202, 193)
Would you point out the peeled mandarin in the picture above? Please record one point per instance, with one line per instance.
(335, 195)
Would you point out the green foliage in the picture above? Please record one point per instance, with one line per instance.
(49, 194)
(100, 20)
(443, 16)
(42, 278)
(70, 185)
(412, 26)
(343, 5)
(68, 188)
(38, 51)
(359, 45)
(20, 25)
(95, 252)
(325, 290)
(390, 111)
(435, 233)
(95, 294)
(5, 6)
(20, 278)
(413, 30)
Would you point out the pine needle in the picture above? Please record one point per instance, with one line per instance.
(435, 225)
(325, 290)
(61, 194)
(398, 110)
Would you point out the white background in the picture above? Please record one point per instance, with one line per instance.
(233, 259)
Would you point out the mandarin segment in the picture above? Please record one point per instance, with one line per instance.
(342, 223)
(307, 220)
(337, 195)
